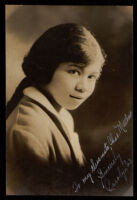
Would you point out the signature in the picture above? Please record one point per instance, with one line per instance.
(121, 171)
(111, 185)
(121, 166)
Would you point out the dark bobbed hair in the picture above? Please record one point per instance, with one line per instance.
(59, 44)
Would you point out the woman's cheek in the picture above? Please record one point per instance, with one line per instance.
(92, 88)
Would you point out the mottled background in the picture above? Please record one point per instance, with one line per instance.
(112, 26)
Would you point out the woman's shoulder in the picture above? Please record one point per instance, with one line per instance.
(26, 126)
(30, 112)
(29, 117)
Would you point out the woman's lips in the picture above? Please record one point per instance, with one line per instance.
(75, 97)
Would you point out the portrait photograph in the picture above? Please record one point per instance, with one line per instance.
(69, 100)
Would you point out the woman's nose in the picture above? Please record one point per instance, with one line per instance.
(82, 85)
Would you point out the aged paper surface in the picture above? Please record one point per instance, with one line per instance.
(103, 122)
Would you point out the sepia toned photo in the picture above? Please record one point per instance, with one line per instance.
(69, 100)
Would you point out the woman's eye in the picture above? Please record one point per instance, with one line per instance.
(75, 72)
(91, 77)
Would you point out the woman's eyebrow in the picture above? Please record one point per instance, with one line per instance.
(80, 66)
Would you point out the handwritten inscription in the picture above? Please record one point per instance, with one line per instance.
(101, 174)
(121, 166)
(120, 127)
(88, 176)
(121, 173)
(95, 164)
(76, 186)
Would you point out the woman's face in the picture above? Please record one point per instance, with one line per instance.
(73, 83)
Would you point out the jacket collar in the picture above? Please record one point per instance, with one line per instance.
(36, 95)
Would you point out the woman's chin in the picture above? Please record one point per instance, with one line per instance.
(72, 107)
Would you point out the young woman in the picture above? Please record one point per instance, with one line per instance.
(43, 150)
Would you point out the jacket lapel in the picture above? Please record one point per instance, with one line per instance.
(38, 98)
